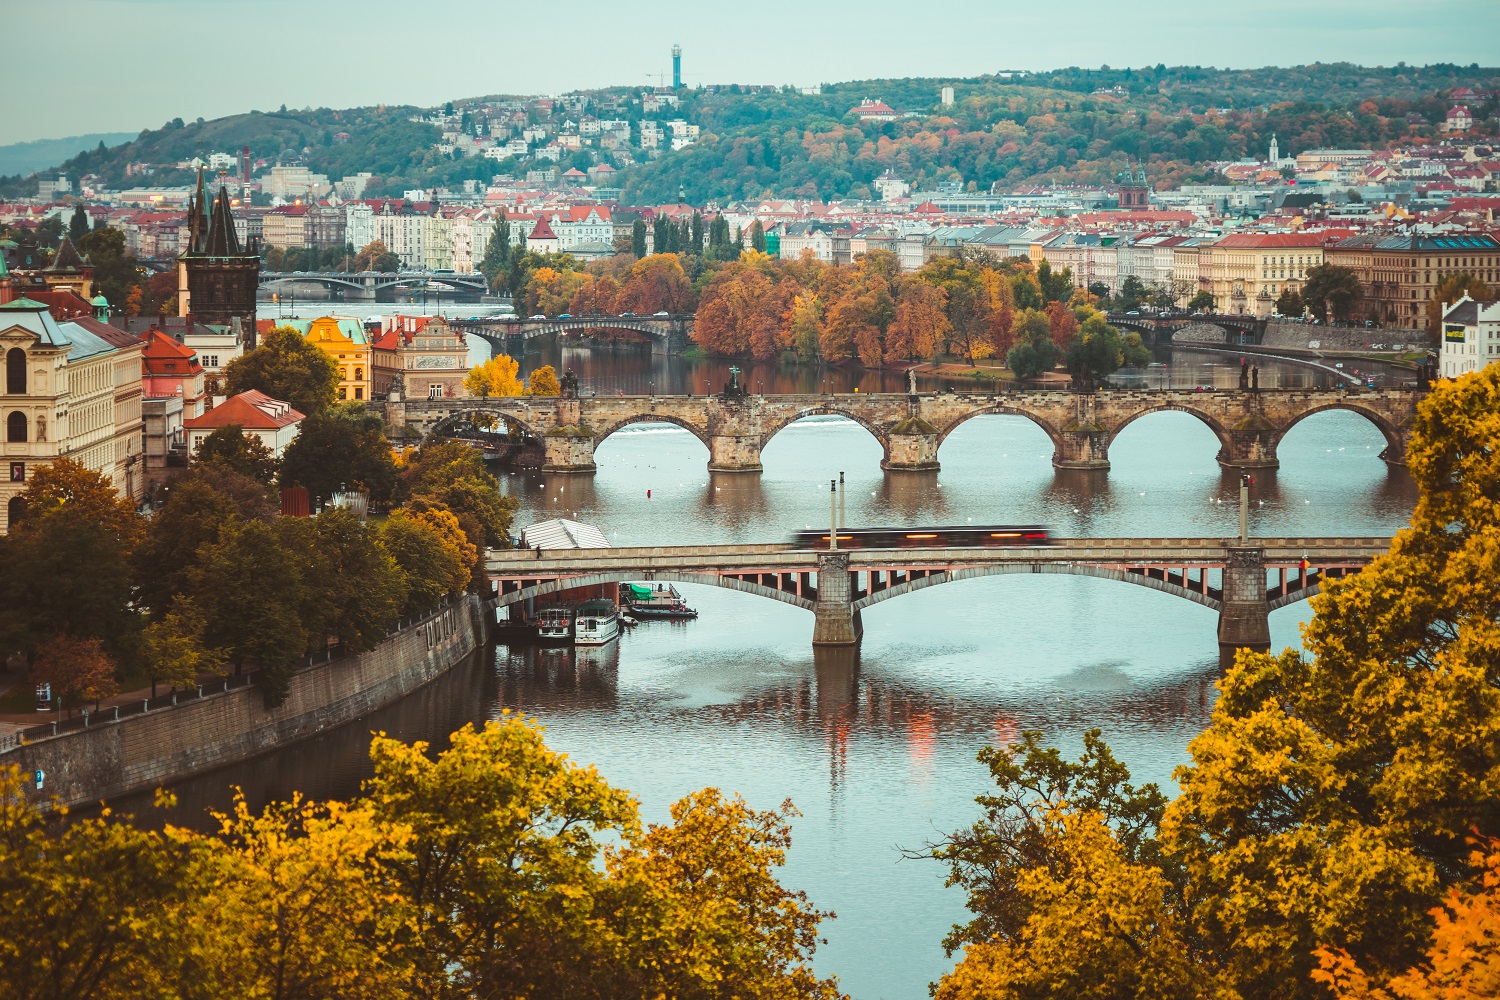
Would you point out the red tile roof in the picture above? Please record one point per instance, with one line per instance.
(542, 231)
(252, 410)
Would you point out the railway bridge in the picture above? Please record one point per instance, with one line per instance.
(1244, 580)
(735, 427)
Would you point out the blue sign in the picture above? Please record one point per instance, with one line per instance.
(40, 774)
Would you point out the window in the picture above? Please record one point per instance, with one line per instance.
(15, 372)
(15, 426)
(15, 511)
(343, 392)
(359, 374)
(359, 392)
(434, 392)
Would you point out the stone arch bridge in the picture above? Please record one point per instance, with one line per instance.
(667, 334)
(1159, 329)
(735, 428)
(1243, 580)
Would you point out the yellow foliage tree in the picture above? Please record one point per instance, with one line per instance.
(543, 382)
(496, 377)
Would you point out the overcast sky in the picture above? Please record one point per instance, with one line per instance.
(124, 65)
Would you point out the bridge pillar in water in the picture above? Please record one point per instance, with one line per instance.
(569, 445)
(913, 446)
(734, 453)
(1082, 442)
(835, 622)
(1244, 615)
(1251, 444)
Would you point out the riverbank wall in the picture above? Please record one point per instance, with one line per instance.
(141, 752)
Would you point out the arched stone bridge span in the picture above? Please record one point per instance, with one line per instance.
(665, 334)
(1248, 424)
(1159, 329)
(1242, 580)
(367, 285)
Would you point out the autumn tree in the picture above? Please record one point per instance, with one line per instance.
(376, 257)
(806, 326)
(230, 448)
(1035, 352)
(173, 650)
(496, 377)
(452, 475)
(1062, 323)
(543, 382)
(920, 323)
(287, 367)
(549, 291)
(656, 284)
(65, 936)
(79, 670)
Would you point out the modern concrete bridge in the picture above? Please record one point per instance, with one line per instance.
(667, 334)
(1159, 329)
(910, 428)
(1243, 580)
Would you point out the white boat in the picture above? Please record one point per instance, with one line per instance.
(554, 625)
(596, 622)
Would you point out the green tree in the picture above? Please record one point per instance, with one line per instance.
(1034, 352)
(1331, 288)
(638, 239)
(197, 505)
(1056, 286)
(116, 272)
(429, 550)
(350, 588)
(78, 226)
(695, 239)
(230, 448)
(757, 237)
(1203, 301)
(496, 253)
(343, 447)
(286, 367)
(1289, 303)
(248, 587)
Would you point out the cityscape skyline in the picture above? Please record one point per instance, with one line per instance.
(618, 52)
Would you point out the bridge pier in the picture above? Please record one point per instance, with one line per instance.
(734, 453)
(913, 447)
(1081, 449)
(1244, 614)
(835, 621)
(568, 449)
(1250, 445)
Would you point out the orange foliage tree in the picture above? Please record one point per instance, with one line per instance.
(656, 284)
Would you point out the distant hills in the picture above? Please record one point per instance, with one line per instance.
(42, 154)
(1062, 126)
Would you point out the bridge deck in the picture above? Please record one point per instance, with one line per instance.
(786, 557)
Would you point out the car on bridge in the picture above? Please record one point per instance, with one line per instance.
(537, 316)
(662, 313)
(564, 315)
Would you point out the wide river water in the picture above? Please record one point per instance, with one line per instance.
(878, 749)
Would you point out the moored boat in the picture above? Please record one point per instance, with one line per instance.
(654, 600)
(596, 622)
(554, 626)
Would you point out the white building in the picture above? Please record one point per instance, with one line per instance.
(359, 224)
(1471, 337)
(272, 421)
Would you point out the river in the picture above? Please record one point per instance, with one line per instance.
(877, 750)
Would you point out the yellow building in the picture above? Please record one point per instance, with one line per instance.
(1247, 272)
(343, 339)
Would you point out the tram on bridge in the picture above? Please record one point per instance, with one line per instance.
(964, 537)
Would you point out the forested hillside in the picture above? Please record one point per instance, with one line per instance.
(1069, 125)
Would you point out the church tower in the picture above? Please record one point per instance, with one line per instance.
(218, 276)
(1275, 151)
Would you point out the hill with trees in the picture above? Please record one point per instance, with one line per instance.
(1067, 125)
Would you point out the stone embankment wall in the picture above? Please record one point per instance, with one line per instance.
(143, 752)
(1284, 333)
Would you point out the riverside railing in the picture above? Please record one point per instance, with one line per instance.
(92, 718)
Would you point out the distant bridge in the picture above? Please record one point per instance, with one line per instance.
(1243, 580)
(1158, 329)
(368, 285)
(667, 334)
(1249, 424)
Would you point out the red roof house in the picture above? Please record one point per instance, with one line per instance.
(272, 421)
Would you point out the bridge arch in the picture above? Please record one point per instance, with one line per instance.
(549, 587)
(1395, 446)
(1054, 569)
(475, 409)
(653, 418)
(824, 410)
(1004, 409)
(1220, 431)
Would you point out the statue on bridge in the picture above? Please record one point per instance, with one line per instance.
(733, 390)
(568, 384)
(911, 381)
